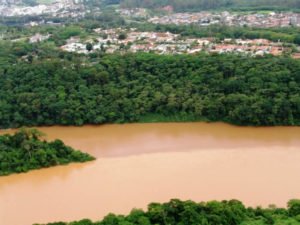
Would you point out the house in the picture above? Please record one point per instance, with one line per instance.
(296, 55)
(38, 38)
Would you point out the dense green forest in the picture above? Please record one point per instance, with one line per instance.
(178, 212)
(70, 90)
(24, 151)
(196, 5)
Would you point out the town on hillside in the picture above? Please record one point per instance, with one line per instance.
(250, 19)
(132, 39)
(113, 40)
(123, 40)
(57, 8)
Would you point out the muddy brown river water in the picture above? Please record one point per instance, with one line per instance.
(142, 163)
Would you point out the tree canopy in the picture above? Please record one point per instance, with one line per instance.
(177, 212)
(24, 151)
(147, 87)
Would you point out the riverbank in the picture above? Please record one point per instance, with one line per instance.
(188, 118)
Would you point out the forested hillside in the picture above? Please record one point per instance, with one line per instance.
(193, 5)
(135, 87)
(178, 212)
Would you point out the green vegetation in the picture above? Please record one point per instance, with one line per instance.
(24, 151)
(178, 212)
(196, 5)
(76, 90)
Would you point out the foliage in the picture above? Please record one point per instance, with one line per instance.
(89, 47)
(24, 151)
(127, 88)
(178, 212)
(294, 207)
(70, 31)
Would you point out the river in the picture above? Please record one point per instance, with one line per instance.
(142, 163)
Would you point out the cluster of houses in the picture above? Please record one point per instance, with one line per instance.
(58, 8)
(10, 2)
(74, 44)
(252, 47)
(114, 40)
(133, 12)
(38, 38)
(263, 20)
